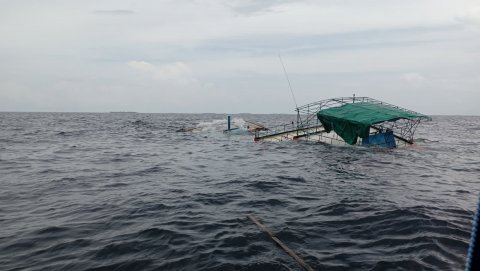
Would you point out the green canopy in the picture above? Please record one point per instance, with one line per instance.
(353, 120)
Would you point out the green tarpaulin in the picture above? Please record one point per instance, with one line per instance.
(353, 120)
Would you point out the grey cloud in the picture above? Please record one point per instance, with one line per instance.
(114, 12)
(302, 44)
(254, 7)
(227, 50)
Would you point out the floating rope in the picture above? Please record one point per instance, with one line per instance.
(473, 256)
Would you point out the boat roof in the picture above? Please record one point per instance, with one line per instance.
(368, 113)
(352, 120)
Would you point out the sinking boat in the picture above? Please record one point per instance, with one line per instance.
(249, 127)
(349, 121)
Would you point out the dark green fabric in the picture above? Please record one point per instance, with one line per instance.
(353, 120)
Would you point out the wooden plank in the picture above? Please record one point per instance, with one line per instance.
(290, 252)
(294, 131)
(309, 134)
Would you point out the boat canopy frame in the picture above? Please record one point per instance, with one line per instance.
(403, 128)
(308, 123)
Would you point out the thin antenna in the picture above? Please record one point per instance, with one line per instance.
(288, 80)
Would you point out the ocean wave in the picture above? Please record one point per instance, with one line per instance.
(127, 192)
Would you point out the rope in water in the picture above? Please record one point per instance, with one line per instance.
(473, 256)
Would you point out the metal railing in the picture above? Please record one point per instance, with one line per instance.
(307, 119)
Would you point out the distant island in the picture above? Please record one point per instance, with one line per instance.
(122, 112)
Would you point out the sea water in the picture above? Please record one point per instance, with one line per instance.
(91, 191)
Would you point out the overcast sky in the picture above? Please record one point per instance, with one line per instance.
(222, 56)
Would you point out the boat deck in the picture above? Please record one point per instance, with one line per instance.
(316, 134)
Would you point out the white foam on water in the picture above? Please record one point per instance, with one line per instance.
(212, 126)
(220, 125)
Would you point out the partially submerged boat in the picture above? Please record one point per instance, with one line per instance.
(349, 120)
(249, 127)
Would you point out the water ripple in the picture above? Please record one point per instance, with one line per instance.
(87, 191)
